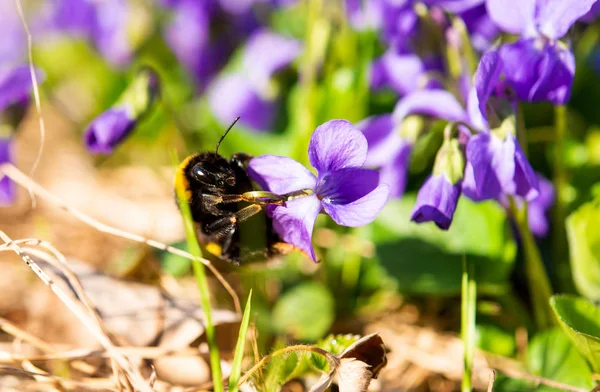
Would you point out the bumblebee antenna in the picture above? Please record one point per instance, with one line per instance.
(225, 134)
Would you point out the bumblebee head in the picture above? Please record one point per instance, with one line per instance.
(208, 171)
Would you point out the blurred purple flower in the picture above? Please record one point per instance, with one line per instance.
(250, 93)
(7, 188)
(188, 35)
(435, 103)
(233, 95)
(387, 151)
(400, 24)
(537, 209)
(110, 31)
(365, 15)
(350, 195)
(482, 30)
(404, 72)
(107, 130)
(436, 201)
(15, 86)
(537, 66)
(14, 41)
(104, 23)
(111, 127)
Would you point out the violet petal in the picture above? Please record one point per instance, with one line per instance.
(107, 130)
(555, 17)
(537, 208)
(513, 16)
(280, 174)
(525, 179)
(493, 165)
(486, 79)
(336, 145)
(295, 222)
(436, 103)
(539, 71)
(436, 202)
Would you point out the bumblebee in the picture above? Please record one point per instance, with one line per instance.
(231, 222)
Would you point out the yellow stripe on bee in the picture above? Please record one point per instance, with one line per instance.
(214, 248)
(180, 179)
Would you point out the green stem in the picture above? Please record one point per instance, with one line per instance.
(305, 116)
(539, 285)
(468, 307)
(201, 281)
(560, 258)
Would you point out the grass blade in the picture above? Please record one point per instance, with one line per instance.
(200, 275)
(236, 367)
(468, 302)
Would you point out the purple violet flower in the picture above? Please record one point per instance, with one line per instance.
(107, 130)
(538, 66)
(349, 194)
(111, 127)
(498, 167)
(404, 73)
(436, 201)
(438, 197)
(251, 93)
(364, 15)
(496, 164)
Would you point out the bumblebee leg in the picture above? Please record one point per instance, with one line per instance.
(228, 222)
(264, 197)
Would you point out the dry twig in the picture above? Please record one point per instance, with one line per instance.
(20, 178)
(82, 314)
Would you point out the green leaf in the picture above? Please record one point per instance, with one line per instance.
(552, 356)
(493, 339)
(284, 368)
(334, 344)
(584, 244)
(236, 366)
(580, 319)
(305, 312)
(424, 259)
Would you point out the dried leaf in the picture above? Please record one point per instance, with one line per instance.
(369, 350)
(353, 376)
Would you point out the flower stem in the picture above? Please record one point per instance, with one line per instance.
(560, 183)
(468, 302)
(304, 118)
(300, 347)
(539, 285)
